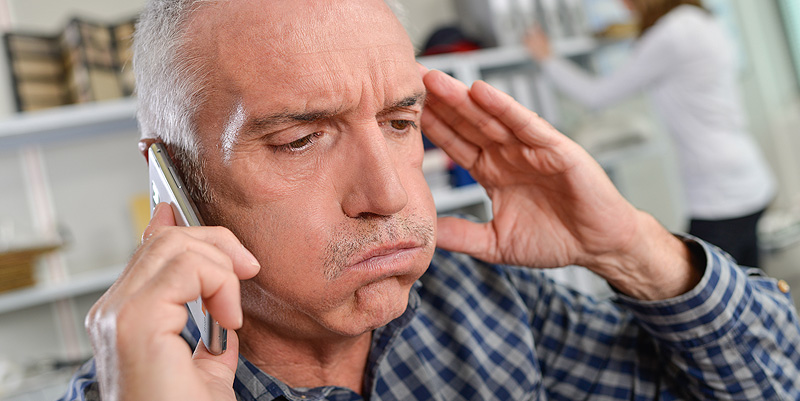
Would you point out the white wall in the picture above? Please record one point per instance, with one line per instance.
(424, 16)
(771, 92)
(91, 185)
(50, 15)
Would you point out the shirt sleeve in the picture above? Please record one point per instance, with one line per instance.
(83, 386)
(734, 336)
(652, 59)
(736, 332)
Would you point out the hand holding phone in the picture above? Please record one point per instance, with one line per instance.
(134, 327)
(167, 186)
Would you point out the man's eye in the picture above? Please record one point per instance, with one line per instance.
(299, 144)
(402, 125)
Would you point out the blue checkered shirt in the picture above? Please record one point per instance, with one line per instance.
(477, 331)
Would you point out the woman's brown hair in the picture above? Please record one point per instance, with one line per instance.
(650, 11)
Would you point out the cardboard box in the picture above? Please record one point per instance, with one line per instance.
(17, 266)
(37, 71)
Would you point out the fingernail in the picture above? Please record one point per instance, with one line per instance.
(252, 258)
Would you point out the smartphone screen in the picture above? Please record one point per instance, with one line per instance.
(167, 186)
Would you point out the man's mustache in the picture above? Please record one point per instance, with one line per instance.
(350, 240)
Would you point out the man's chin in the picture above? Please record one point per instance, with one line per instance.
(373, 305)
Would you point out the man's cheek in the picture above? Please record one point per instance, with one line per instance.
(298, 240)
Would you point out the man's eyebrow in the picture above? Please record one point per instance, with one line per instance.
(413, 100)
(266, 123)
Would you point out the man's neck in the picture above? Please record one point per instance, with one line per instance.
(307, 363)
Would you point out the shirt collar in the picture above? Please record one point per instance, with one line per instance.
(255, 383)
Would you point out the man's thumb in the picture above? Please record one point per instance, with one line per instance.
(163, 215)
(219, 370)
(459, 235)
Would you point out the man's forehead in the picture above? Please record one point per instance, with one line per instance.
(301, 58)
(248, 38)
(300, 24)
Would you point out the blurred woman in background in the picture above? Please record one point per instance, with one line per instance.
(685, 61)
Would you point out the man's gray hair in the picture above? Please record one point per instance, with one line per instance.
(168, 81)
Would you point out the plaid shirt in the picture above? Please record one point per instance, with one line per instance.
(476, 331)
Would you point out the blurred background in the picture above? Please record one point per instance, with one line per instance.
(73, 186)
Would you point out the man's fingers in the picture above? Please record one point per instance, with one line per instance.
(188, 276)
(461, 151)
(452, 102)
(215, 244)
(526, 125)
(163, 216)
(245, 263)
(474, 239)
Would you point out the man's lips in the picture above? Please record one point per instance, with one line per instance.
(374, 257)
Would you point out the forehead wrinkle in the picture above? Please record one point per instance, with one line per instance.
(330, 92)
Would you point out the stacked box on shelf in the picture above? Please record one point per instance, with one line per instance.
(17, 266)
(123, 43)
(87, 62)
(37, 71)
(90, 60)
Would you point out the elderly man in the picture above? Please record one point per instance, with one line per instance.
(297, 123)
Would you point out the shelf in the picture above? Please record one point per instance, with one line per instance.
(67, 123)
(502, 57)
(91, 281)
(449, 199)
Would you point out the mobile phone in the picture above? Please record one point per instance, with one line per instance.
(166, 186)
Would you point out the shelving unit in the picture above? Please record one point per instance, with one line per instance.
(73, 122)
(515, 64)
(469, 66)
(94, 281)
(26, 133)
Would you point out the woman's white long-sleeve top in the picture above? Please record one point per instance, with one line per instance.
(687, 65)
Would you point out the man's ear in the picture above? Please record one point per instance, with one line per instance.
(144, 144)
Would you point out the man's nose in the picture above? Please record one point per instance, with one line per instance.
(374, 184)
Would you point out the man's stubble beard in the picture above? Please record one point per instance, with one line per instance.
(349, 240)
